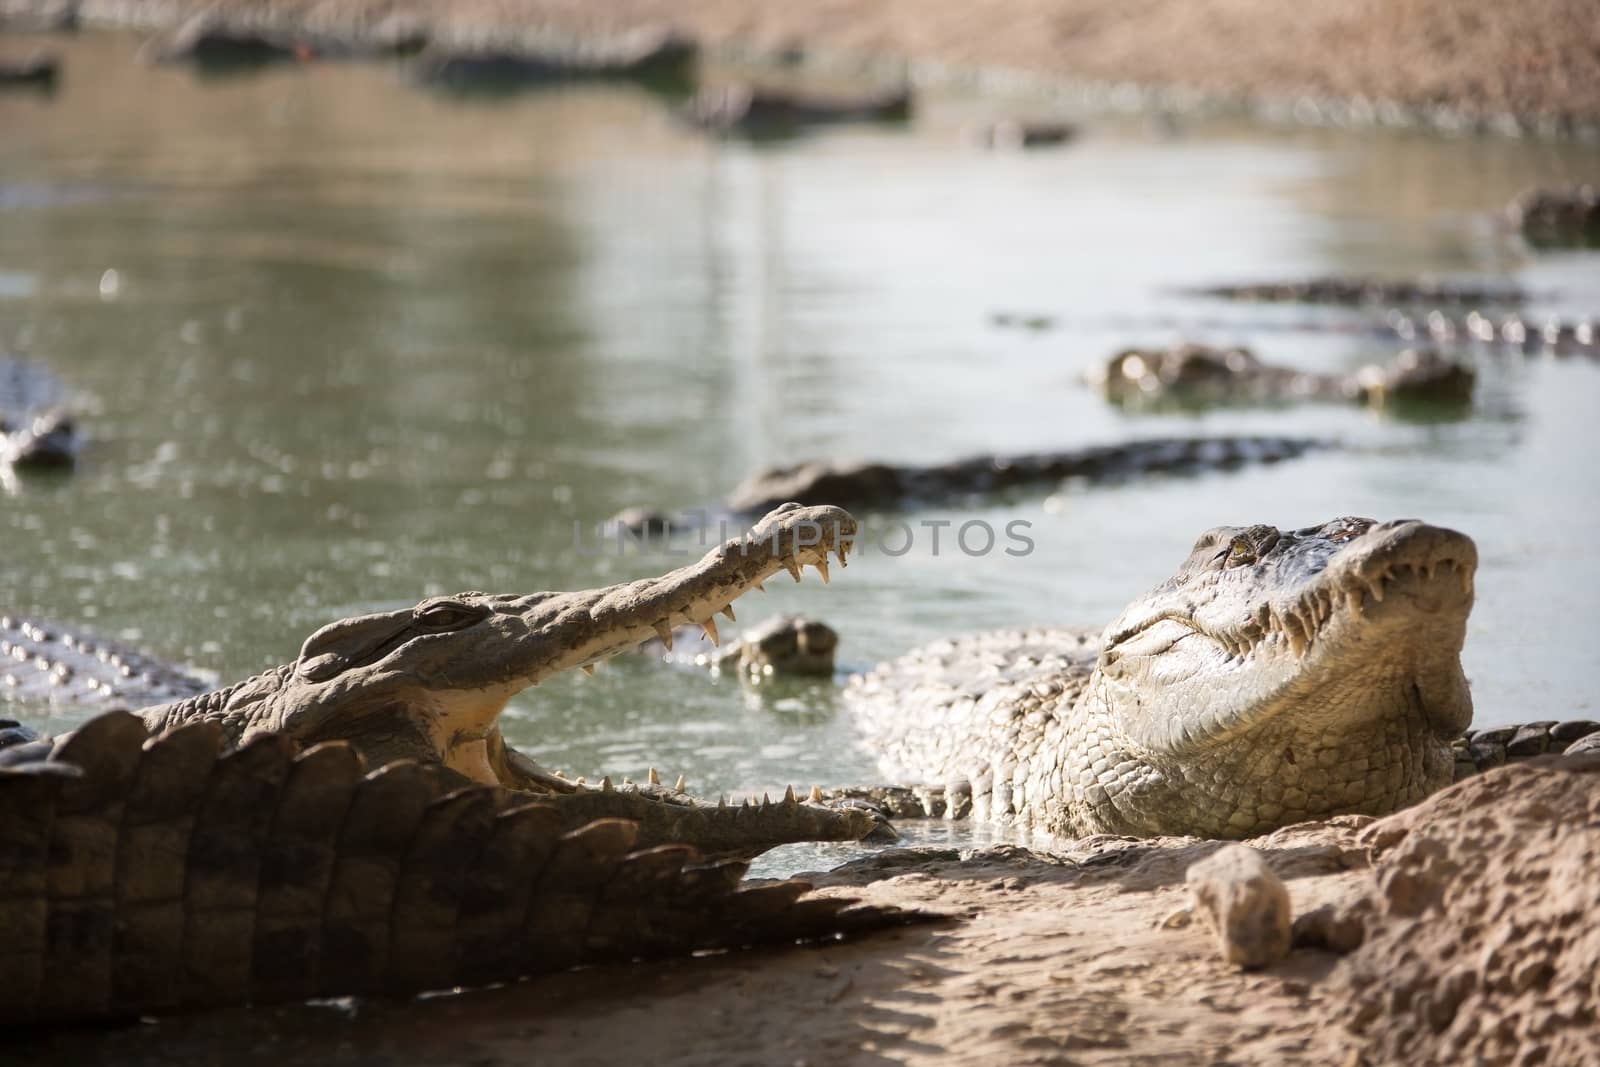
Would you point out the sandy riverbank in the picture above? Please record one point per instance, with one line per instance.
(1475, 62)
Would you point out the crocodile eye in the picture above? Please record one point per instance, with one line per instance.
(1241, 551)
(448, 617)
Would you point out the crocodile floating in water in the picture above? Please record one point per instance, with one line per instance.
(1366, 292)
(1191, 374)
(36, 430)
(217, 862)
(1558, 217)
(756, 110)
(861, 484)
(782, 646)
(1279, 676)
(47, 663)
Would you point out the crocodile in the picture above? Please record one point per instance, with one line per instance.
(353, 822)
(213, 44)
(1365, 292)
(1558, 217)
(652, 55)
(1192, 374)
(48, 663)
(1278, 676)
(142, 874)
(36, 430)
(755, 110)
(782, 646)
(428, 684)
(863, 484)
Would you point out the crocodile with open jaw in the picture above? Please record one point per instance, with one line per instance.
(1278, 676)
(215, 862)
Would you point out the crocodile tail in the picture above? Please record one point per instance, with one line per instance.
(143, 875)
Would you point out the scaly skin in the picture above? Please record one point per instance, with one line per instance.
(857, 484)
(428, 684)
(1277, 677)
(142, 875)
(36, 432)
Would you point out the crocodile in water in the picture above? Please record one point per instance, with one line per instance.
(36, 431)
(861, 484)
(1192, 374)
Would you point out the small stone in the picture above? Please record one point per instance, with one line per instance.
(1246, 904)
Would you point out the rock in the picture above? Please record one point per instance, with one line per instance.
(1246, 904)
(1331, 928)
(1481, 940)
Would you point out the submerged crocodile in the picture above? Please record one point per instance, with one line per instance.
(1558, 217)
(1278, 676)
(861, 484)
(1366, 292)
(1200, 374)
(216, 861)
(782, 646)
(36, 430)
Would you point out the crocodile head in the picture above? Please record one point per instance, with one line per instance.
(783, 645)
(1324, 661)
(430, 681)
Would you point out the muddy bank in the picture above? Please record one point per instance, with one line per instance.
(1459, 63)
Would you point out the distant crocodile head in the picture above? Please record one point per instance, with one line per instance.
(783, 645)
(1195, 375)
(1277, 676)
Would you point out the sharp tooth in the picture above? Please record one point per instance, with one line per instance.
(822, 569)
(760, 588)
(681, 786)
(728, 611)
(580, 780)
(588, 668)
(664, 632)
(561, 774)
(710, 626)
(1376, 588)
(788, 795)
(794, 568)
(722, 801)
(816, 795)
(605, 784)
(766, 800)
(840, 552)
(653, 778)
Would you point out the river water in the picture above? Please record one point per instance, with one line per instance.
(341, 343)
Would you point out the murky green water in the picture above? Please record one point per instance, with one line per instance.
(367, 344)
